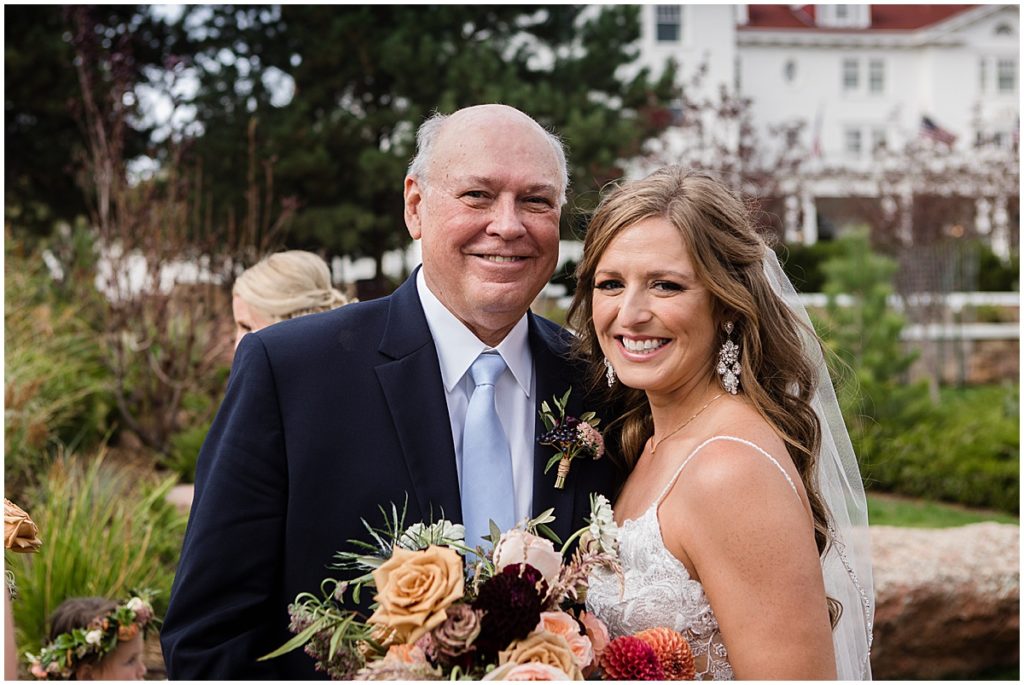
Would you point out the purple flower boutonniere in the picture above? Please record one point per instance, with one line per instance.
(572, 437)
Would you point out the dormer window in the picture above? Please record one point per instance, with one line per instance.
(1004, 30)
(843, 16)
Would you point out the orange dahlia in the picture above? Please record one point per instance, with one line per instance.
(673, 652)
(630, 658)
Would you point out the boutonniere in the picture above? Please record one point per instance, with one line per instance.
(572, 437)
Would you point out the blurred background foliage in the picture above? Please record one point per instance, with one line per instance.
(106, 531)
(963, 448)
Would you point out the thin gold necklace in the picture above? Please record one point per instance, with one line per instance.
(683, 425)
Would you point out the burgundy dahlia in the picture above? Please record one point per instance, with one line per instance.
(511, 602)
(630, 658)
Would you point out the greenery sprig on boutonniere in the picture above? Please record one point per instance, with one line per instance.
(572, 437)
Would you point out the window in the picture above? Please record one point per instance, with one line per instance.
(876, 76)
(676, 111)
(878, 141)
(1006, 75)
(1004, 30)
(851, 74)
(789, 71)
(997, 75)
(668, 20)
(843, 16)
(853, 141)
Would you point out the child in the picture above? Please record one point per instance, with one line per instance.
(93, 638)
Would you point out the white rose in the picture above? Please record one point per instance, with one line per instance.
(452, 532)
(94, 637)
(443, 533)
(519, 547)
(602, 524)
(135, 604)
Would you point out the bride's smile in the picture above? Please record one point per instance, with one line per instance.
(652, 315)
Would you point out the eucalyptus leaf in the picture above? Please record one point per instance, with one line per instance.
(548, 533)
(546, 516)
(552, 461)
(299, 640)
(339, 632)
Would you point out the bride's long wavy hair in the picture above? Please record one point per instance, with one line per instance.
(776, 376)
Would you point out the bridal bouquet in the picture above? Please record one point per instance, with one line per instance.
(444, 610)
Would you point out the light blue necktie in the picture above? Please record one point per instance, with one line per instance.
(487, 489)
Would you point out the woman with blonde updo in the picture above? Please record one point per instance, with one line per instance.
(282, 286)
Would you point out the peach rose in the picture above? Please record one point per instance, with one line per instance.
(528, 671)
(597, 631)
(408, 654)
(519, 547)
(20, 533)
(543, 647)
(414, 588)
(127, 631)
(561, 623)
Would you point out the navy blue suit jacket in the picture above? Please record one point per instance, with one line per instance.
(325, 418)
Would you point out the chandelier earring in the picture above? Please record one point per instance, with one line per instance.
(609, 372)
(729, 362)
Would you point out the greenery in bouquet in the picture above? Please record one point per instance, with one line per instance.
(444, 610)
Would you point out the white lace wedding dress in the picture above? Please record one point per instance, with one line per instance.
(658, 590)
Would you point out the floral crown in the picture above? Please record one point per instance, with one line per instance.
(59, 659)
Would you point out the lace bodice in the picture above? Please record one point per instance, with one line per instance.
(658, 590)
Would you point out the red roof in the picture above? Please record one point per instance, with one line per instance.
(883, 17)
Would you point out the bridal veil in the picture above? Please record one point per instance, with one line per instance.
(846, 565)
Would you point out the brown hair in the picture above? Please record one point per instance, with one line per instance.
(79, 612)
(777, 377)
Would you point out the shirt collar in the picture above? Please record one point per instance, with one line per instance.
(457, 346)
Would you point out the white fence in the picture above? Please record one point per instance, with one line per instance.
(400, 262)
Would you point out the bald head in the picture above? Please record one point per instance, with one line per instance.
(441, 129)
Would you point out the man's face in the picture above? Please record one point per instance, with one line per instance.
(487, 214)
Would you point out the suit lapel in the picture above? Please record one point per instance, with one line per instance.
(553, 376)
(419, 411)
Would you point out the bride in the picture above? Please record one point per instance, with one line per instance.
(742, 522)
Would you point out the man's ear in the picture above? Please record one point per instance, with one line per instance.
(413, 204)
(85, 672)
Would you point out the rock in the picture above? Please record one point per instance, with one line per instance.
(947, 600)
(181, 497)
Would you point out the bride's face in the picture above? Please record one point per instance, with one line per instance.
(653, 317)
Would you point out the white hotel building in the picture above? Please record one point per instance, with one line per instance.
(861, 78)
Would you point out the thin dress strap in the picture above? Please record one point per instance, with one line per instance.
(679, 471)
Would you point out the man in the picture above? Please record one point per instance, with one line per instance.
(329, 416)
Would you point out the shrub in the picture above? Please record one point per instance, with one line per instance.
(802, 263)
(962, 449)
(57, 389)
(994, 273)
(185, 444)
(966, 450)
(865, 335)
(104, 533)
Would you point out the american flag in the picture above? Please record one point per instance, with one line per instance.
(929, 129)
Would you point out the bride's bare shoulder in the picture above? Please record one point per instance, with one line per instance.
(741, 458)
